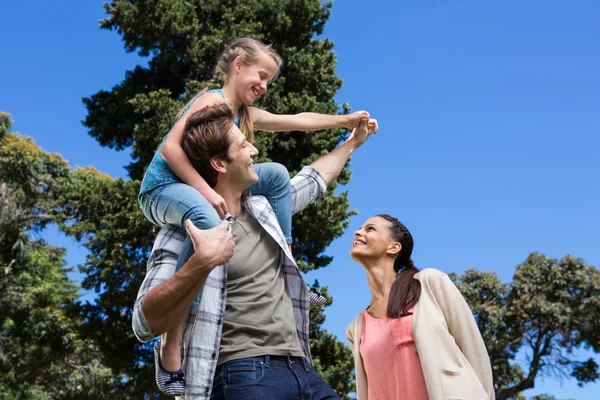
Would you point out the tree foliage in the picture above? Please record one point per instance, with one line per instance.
(42, 354)
(550, 310)
(335, 361)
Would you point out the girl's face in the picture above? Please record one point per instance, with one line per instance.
(372, 240)
(252, 80)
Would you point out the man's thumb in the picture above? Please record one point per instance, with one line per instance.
(190, 227)
(226, 225)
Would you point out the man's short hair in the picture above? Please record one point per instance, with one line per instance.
(206, 135)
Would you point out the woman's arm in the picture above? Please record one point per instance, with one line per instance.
(306, 121)
(178, 161)
(462, 326)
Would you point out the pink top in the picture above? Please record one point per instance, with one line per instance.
(390, 358)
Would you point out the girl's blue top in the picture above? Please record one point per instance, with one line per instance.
(158, 172)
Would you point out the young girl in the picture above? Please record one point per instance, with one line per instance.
(172, 191)
(418, 339)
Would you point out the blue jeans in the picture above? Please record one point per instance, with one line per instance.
(270, 377)
(176, 202)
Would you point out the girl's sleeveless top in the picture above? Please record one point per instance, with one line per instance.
(158, 172)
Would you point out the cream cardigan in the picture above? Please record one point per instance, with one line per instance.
(451, 350)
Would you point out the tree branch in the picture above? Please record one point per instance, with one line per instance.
(539, 351)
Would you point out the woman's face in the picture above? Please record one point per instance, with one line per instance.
(372, 240)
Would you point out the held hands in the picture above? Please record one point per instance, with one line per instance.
(357, 117)
(361, 133)
(212, 246)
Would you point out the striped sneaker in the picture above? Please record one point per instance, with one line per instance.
(170, 383)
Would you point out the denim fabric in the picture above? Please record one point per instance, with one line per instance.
(274, 183)
(270, 377)
(176, 202)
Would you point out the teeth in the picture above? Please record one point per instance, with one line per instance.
(358, 242)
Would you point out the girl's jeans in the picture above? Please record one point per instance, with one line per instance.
(176, 202)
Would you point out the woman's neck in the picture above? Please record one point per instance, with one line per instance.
(380, 277)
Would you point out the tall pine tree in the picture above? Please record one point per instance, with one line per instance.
(181, 40)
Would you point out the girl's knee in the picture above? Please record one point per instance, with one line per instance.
(280, 175)
(202, 217)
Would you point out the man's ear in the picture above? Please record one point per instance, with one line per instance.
(218, 164)
(394, 249)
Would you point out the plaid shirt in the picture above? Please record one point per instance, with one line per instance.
(203, 327)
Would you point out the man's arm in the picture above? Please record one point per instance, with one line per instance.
(311, 182)
(331, 165)
(166, 304)
(161, 267)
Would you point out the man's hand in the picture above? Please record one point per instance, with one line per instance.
(212, 246)
(330, 165)
(362, 132)
(372, 125)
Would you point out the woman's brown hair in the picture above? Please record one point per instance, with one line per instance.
(406, 290)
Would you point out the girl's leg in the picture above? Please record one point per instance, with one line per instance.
(274, 183)
(174, 204)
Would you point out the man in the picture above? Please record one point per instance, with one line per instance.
(246, 333)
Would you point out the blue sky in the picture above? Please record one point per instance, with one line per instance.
(489, 125)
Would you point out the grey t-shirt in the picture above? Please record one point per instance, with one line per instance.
(259, 317)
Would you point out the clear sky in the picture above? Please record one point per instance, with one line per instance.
(489, 116)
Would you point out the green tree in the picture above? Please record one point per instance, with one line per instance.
(102, 212)
(42, 354)
(181, 41)
(546, 397)
(549, 310)
(335, 361)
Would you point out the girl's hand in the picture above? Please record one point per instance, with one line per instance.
(217, 202)
(372, 125)
(354, 119)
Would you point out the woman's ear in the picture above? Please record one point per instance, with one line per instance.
(394, 249)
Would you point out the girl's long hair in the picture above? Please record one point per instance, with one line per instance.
(251, 50)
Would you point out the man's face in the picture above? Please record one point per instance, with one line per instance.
(240, 170)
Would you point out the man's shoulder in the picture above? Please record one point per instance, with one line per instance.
(259, 207)
(257, 199)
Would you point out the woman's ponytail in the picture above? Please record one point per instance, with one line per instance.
(406, 290)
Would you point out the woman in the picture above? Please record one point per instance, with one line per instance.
(418, 338)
